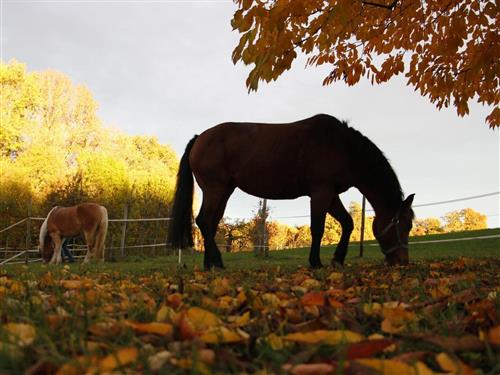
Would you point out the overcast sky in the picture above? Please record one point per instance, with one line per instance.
(164, 68)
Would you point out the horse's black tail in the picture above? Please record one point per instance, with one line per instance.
(180, 231)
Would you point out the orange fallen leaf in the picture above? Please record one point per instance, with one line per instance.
(155, 328)
(120, 358)
(313, 299)
(367, 348)
(309, 369)
(494, 335)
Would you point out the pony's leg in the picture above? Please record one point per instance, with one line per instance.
(89, 237)
(319, 204)
(338, 211)
(212, 210)
(56, 257)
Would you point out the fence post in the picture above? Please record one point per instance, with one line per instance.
(362, 234)
(28, 233)
(124, 230)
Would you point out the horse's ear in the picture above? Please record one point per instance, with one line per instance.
(406, 205)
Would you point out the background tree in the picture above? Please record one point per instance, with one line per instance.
(448, 50)
(55, 150)
(462, 220)
(422, 227)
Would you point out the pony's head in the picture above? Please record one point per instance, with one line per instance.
(46, 249)
(392, 233)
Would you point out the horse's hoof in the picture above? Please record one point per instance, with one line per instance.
(213, 267)
(316, 265)
(337, 265)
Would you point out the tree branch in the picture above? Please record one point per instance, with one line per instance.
(391, 6)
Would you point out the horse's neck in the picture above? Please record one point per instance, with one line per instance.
(43, 228)
(384, 203)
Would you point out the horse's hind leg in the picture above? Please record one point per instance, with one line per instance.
(212, 210)
(319, 204)
(338, 211)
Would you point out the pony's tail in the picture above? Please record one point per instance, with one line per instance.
(180, 231)
(100, 238)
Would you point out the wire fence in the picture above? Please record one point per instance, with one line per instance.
(127, 236)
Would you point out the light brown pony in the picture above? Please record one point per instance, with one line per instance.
(62, 222)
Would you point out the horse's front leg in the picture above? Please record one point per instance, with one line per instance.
(56, 256)
(338, 211)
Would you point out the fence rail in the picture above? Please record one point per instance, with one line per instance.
(29, 255)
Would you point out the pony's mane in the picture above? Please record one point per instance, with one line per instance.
(43, 229)
(372, 162)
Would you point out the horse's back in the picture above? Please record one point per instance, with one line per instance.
(69, 221)
(269, 160)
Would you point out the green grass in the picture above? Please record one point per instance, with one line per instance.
(29, 294)
(293, 258)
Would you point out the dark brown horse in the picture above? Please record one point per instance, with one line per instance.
(320, 157)
(62, 222)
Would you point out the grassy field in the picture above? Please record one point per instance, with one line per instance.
(293, 258)
(269, 315)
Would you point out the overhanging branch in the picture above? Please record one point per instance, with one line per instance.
(391, 6)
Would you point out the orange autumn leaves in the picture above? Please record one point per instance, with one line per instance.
(448, 50)
(429, 318)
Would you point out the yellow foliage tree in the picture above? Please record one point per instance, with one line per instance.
(447, 49)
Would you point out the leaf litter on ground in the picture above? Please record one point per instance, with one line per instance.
(439, 317)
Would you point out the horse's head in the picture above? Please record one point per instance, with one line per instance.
(46, 249)
(392, 233)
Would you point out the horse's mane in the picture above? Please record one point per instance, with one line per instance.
(43, 229)
(372, 162)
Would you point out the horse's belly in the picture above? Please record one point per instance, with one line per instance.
(275, 188)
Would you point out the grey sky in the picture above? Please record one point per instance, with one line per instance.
(164, 68)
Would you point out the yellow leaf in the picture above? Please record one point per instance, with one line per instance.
(202, 319)
(275, 341)
(453, 365)
(122, 357)
(392, 367)
(20, 334)
(324, 337)
(166, 313)
(242, 320)
(221, 286)
(155, 328)
(374, 308)
(219, 335)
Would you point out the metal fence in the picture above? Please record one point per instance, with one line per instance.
(124, 238)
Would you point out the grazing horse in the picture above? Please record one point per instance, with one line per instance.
(64, 222)
(320, 157)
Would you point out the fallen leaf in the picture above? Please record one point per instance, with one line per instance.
(158, 360)
(120, 358)
(392, 367)
(155, 328)
(494, 335)
(313, 299)
(309, 369)
(221, 335)
(20, 334)
(202, 319)
(324, 337)
(453, 365)
(367, 348)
